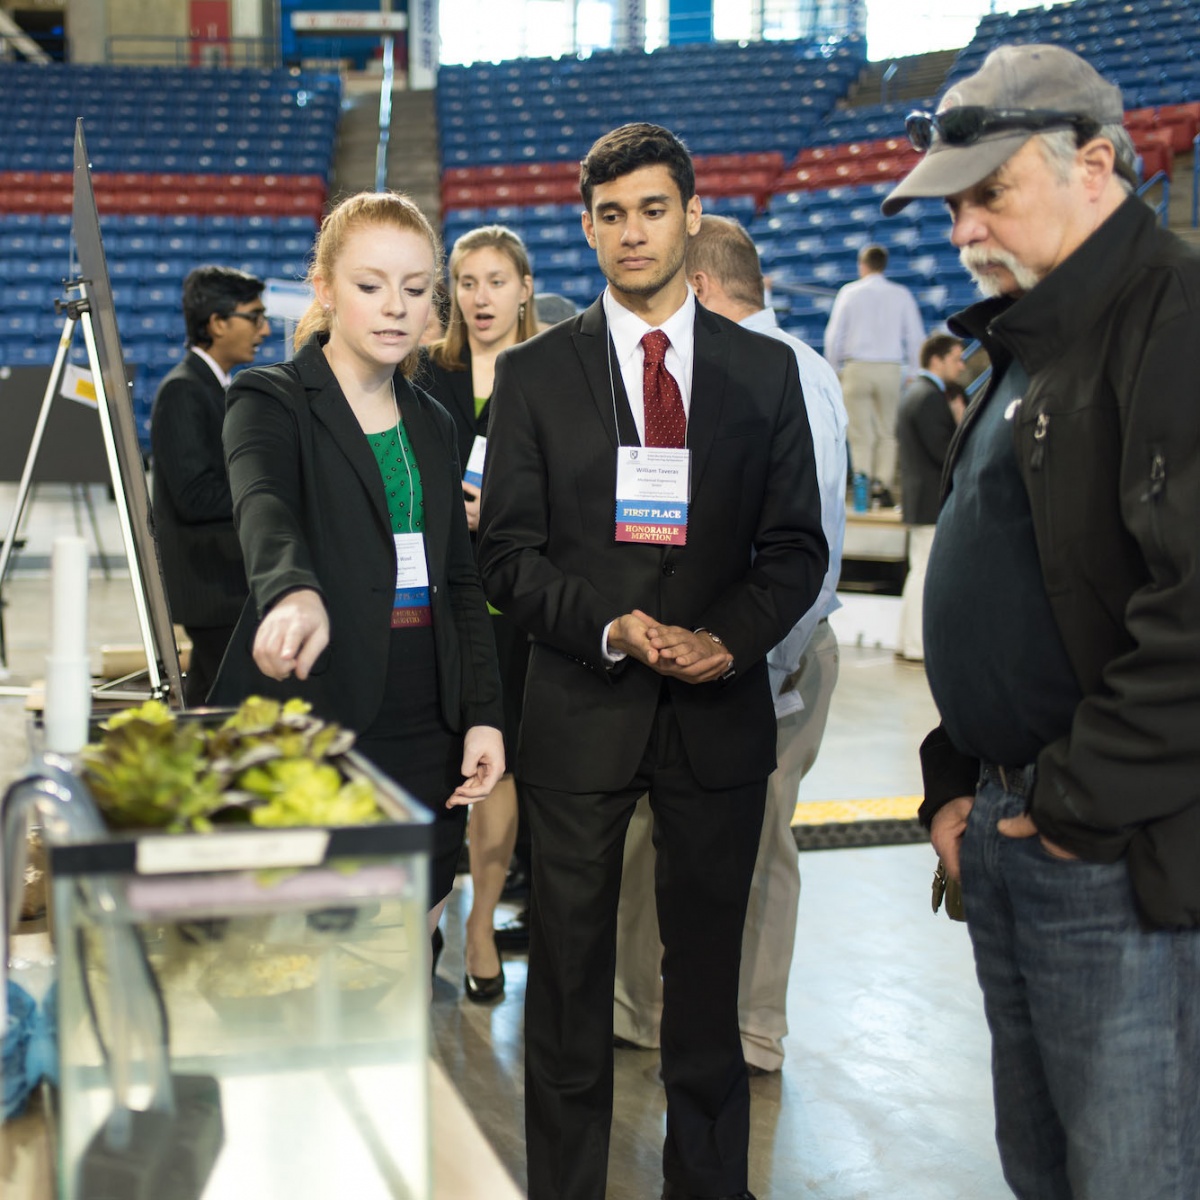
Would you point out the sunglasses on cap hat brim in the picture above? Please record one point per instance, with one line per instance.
(965, 125)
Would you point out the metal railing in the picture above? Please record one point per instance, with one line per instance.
(18, 46)
(191, 52)
(885, 83)
(1163, 207)
(1196, 181)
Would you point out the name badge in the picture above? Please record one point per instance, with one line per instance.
(474, 471)
(653, 483)
(411, 605)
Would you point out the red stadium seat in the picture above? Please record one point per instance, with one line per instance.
(1140, 119)
(464, 195)
(1169, 113)
(126, 181)
(121, 202)
(172, 181)
(1157, 151)
(1180, 127)
(806, 178)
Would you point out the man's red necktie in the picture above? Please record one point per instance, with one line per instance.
(666, 422)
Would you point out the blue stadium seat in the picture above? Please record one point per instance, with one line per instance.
(156, 297)
(151, 325)
(286, 267)
(18, 325)
(215, 245)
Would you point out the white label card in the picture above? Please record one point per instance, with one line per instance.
(184, 854)
(653, 473)
(411, 569)
(474, 469)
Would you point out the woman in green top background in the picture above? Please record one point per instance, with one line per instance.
(491, 308)
(364, 597)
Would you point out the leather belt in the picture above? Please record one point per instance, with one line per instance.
(1017, 781)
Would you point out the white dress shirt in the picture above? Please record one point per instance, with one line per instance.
(627, 330)
(875, 320)
(827, 420)
(224, 378)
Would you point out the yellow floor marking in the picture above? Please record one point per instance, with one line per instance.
(845, 812)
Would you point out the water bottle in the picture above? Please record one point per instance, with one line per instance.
(861, 491)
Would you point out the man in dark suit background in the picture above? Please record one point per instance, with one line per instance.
(929, 414)
(647, 670)
(193, 510)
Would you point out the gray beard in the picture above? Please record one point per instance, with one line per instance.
(973, 258)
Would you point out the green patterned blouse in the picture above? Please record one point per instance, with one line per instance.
(397, 464)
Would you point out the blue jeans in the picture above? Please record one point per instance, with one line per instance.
(1095, 1021)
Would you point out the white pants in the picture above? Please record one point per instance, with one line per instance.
(912, 640)
(871, 391)
(770, 932)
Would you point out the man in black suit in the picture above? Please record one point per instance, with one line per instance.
(647, 670)
(929, 414)
(193, 510)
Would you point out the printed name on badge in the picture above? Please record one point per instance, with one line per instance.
(410, 608)
(653, 484)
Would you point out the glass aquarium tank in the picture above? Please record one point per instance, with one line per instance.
(243, 1012)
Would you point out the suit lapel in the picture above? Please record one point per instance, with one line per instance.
(593, 345)
(462, 387)
(329, 406)
(204, 378)
(710, 374)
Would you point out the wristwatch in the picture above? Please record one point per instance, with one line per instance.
(731, 671)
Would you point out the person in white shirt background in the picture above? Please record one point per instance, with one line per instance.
(873, 341)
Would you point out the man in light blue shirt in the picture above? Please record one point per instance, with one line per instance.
(723, 268)
(873, 340)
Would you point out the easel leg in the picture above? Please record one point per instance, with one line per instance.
(35, 446)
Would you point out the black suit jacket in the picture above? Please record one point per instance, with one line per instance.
(753, 563)
(924, 428)
(193, 509)
(311, 513)
(455, 392)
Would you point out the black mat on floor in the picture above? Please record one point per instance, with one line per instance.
(890, 832)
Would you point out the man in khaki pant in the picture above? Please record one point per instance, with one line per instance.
(873, 338)
(724, 271)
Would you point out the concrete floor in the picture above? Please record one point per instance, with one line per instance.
(885, 1093)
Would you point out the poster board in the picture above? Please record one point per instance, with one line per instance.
(72, 449)
(113, 391)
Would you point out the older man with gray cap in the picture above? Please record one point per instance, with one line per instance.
(1062, 632)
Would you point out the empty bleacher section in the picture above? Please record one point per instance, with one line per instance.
(190, 166)
(1150, 49)
(512, 135)
(721, 99)
(770, 148)
(196, 165)
(811, 239)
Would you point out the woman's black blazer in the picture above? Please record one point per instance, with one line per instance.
(455, 391)
(310, 509)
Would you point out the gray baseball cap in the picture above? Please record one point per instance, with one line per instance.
(552, 308)
(1012, 78)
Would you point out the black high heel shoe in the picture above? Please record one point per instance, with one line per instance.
(485, 990)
